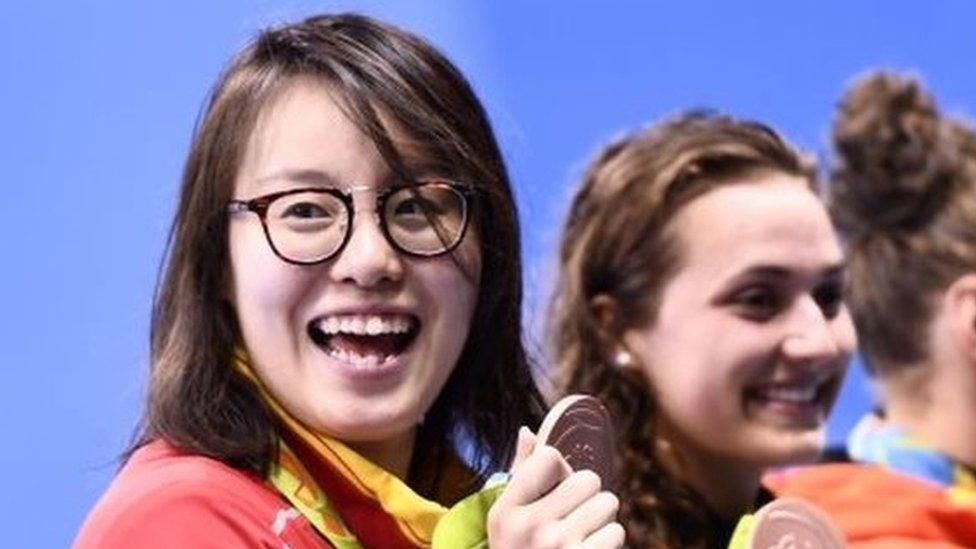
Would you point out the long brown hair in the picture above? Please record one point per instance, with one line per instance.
(615, 244)
(903, 194)
(196, 400)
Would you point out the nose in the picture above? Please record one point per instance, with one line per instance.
(367, 260)
(810, 334)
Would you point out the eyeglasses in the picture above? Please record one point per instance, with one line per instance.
(311, 225)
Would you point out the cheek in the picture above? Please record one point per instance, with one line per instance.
(459, 277)
(452, 292)
(692, 407)
(264, 288)
(682, 375)
(701, 396)
(450, 298)
(701, 382)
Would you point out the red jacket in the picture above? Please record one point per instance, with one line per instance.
(877, 507)
(165, 498)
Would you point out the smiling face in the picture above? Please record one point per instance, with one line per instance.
(358, 346)
(749, 344)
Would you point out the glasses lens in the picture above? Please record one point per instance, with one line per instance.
(427, 219)
(308, 226)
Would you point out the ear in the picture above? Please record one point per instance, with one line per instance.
(959, 306)
(606, 312)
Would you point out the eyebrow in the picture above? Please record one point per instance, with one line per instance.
(319, 178)
(778, 271)
(305, 176)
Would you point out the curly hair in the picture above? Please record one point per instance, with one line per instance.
(615, 244)
(903, 194)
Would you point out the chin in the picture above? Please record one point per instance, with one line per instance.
(777, 448)
(365, 426)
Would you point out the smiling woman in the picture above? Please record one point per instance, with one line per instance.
(359, 343)
(700, 297)
(339, 314)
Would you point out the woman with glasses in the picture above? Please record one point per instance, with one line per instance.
(903, 194)
(700, 297)
(339, 318)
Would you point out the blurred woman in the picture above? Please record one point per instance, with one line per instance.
(700, 297)
(904, 198)
(338, 313)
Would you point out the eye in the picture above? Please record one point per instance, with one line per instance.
(416, 207)
(829, 296)
(759, 302)
(409, 207)
(305, 210)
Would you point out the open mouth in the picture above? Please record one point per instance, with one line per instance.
(806, 400)
(364, 339)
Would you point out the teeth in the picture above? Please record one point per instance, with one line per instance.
(799, 395)
(357, 359)
(365, 324)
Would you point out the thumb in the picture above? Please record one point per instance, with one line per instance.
(523, 448)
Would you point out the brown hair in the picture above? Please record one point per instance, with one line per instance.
(615, 244)
(196, 400)
(903, 194)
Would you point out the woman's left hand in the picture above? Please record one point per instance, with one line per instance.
(548, 505)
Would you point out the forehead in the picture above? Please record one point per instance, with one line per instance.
(305, 127)
(770, 219)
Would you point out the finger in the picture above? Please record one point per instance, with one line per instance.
(523, 447)
(591, 515)
(610, 536)
(539, 473)
(574, 491)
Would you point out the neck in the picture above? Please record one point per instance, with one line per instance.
(730, 488)
(945, 418)
(392, 454)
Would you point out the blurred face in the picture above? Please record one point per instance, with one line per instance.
(360, 345)
(751, 339)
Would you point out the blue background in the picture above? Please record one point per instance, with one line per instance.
(100, 98)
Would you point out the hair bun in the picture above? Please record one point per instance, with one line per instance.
(893, 168)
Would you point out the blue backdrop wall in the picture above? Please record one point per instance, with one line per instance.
(99, 100)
